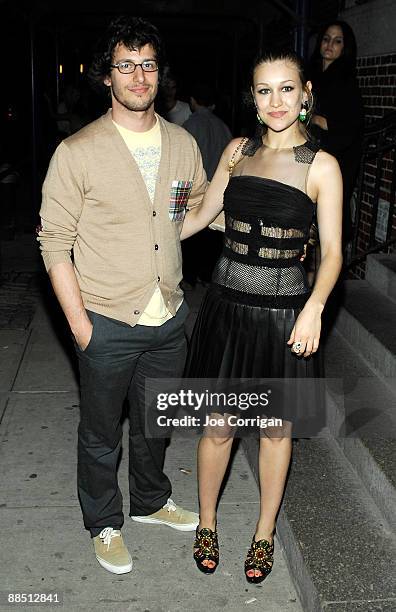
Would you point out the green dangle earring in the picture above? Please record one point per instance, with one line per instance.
(303, 112)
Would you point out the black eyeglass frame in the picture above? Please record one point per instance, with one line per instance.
(136, 65)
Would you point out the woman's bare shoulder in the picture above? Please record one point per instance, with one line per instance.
(324, 174)
(324, 162)
(232, 154)
(233, 145)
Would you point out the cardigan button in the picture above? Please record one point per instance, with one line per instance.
(154, 213)
(158, 278)
(136, 312)
(156, 247)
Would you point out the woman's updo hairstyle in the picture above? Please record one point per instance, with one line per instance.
(287, 55)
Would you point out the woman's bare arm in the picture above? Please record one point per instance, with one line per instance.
(201, 216)
(320, 121)
(327, 181)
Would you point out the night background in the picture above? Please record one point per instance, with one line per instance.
(209, 39)
(335, 545)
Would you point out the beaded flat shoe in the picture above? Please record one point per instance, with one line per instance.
(260, 557)
(206, 548)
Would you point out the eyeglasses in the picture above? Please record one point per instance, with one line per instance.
(129, 67)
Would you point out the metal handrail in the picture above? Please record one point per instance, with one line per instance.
(379, 139)
(376, 249)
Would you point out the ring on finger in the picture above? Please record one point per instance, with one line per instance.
(296, 347)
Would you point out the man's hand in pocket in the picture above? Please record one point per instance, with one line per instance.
(83, 334)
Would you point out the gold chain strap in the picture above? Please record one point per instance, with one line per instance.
(232, 163)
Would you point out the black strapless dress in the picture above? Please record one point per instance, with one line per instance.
(258, 289)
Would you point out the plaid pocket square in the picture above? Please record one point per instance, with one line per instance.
(180, 192)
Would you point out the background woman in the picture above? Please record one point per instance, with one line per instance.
(338, 113)
(259, 318)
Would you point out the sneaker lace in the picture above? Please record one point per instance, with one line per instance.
(170, 505)
(107, 534)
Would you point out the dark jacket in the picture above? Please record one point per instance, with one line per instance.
(338, 98)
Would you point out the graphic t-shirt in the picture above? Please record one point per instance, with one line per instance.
(145, 147)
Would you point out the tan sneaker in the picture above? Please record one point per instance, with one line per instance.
(111, 551)
(171, 515)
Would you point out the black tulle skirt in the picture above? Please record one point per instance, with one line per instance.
(235, 341)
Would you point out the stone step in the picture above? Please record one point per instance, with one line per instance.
(381, 273)
(340, 550)
(362, 419)
(367, 320)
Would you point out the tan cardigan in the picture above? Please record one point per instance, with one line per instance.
(95, 203)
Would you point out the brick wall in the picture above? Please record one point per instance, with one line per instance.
(377, 81)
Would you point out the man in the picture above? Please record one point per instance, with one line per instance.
(175, 111)
(210, 132)
(115, 194)
(201, 252)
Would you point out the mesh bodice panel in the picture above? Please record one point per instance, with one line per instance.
(268, 217)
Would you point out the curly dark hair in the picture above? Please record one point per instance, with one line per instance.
(133, 33)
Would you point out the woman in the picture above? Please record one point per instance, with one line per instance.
(338, 114)
(259, 318)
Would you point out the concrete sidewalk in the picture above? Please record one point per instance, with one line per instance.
(44, 545)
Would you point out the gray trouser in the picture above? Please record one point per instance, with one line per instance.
(113, 368)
